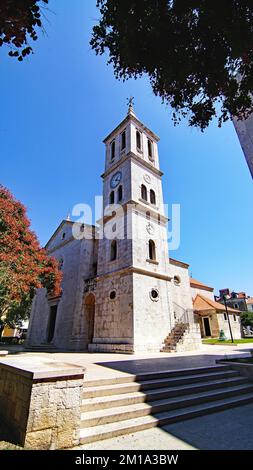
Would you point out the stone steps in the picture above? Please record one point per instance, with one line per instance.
(157, 375)
(119, 428)
(115, 408)
(105, 402)
(175, 337)
(99, 417)
(128, 387)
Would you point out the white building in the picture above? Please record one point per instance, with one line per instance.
(120, 290)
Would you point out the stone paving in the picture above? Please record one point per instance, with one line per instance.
(226, 430)
(102, 365)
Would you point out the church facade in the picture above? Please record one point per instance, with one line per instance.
(120, 290)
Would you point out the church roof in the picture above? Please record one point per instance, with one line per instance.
(200, 285)
(202, 304)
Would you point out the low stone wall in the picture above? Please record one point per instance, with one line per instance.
(244, 369)
(40, 401)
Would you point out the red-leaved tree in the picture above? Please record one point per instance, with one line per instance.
(24, 265)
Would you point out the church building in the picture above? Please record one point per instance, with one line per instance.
(120, 290)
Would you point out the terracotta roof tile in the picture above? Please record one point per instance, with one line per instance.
(202, 303)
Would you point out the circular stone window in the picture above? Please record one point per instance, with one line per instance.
(113, 295)
(154, 295)
(177, 280)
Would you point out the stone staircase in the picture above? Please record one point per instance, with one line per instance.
(114, 407)
(175, 337)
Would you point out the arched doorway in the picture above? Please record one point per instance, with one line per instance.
(89, 305)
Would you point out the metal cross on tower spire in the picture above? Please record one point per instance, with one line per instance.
(130, 102)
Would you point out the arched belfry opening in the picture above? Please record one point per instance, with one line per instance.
(89, 310)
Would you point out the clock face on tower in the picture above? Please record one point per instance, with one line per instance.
(116, 178)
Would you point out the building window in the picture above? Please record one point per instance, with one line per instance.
(152, 197)
(225, 316)
(150, 150)
(113, 150)
(234, 317)
(236, 306)
(120, 193)
(148, 215)
(138, 140)
(113, 250)
(154, 295)
(177, 280)
(112, 197)
(114, 227)
(63, 236)
(113, 295)
(151, 250)
(51, 323)
(144, 194)
(123, 140)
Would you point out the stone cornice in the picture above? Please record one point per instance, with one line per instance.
(134, 270)
(155, 215)
(132, 156)
(176, 262)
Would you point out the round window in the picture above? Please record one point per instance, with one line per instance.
(113, 295)
(154, 294)
(177, 280)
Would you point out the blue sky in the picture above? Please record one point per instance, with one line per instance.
(59, 104)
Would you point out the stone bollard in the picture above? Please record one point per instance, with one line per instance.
(40, 401)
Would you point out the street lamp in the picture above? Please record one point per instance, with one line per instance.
(230, 329)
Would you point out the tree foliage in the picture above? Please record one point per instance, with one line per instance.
(192, 50)
(19, 21)
(24, 265)
(247, 318)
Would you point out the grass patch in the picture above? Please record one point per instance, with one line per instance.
(228, 341)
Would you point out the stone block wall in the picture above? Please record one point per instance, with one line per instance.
(42, 413)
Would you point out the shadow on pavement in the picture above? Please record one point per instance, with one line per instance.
(137, 366)
(226, 430)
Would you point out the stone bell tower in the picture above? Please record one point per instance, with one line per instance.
(133, 306)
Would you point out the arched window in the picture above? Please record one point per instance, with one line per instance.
(120, 193)
(113, 250)
(144, 194)
(150, 149)
(112, 197)
(151, 250)
(152, 197)
(113, 150)
(123, 140)
(138, 140)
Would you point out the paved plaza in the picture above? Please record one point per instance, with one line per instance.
(229, 429)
